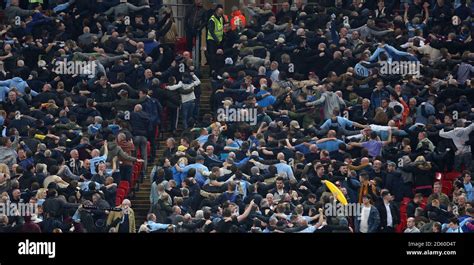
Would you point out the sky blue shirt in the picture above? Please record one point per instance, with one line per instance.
(199, 177)
(18, 83)
(202, 139)
(343, 122)
(469, 191)
(156, 226)
(331, 145)
(96, 161)
(282, 167)
(85, 185)
(303, 148)
(450, 230)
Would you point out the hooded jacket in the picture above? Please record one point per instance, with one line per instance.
(238, 20)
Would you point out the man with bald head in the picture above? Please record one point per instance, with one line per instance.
(330, 143)
(97, 158)
(86, 37)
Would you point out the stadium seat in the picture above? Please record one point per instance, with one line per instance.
(181, 45)
(447, 187)
(125, 186)
(452, 175)
(119, 197)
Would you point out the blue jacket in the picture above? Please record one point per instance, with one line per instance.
(153, 108)
(373, 222)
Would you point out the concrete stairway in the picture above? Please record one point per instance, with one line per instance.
(141, 200)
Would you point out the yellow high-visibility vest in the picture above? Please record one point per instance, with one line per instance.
(218, 28)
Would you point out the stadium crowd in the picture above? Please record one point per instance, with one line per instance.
(375, 96)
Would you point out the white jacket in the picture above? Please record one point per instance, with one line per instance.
(186, 97)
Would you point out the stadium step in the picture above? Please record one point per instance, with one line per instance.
(141, 200)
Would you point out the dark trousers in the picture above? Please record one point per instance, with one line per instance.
(173, 118)
(190, 35)
(387, 229)
(153, 146)
(211, 53)
(126, 172)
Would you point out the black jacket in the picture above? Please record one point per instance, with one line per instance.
(383, 215)
(139, 122)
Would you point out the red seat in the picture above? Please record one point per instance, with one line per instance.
(447, 187)
(451, 175)
(180, 45)
(119, 197)
(406, 200)
(125, 186)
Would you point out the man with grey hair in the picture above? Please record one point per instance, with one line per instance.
(124, 220)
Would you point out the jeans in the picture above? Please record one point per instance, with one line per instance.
(463, 159)
(153, 146)
(140, 143)
(187, 110)
(173, 118)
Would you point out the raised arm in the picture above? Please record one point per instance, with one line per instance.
(317, 102)
(246, 213)
(106, 148)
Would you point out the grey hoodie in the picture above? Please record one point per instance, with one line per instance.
(330, 101)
